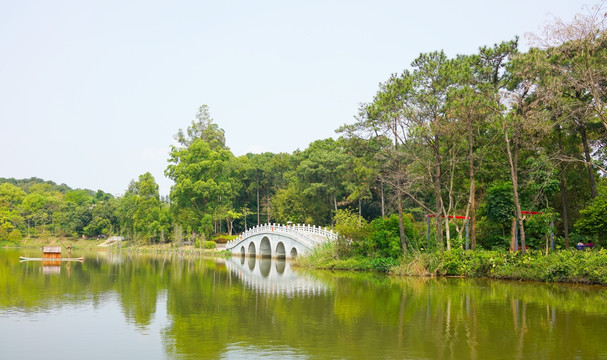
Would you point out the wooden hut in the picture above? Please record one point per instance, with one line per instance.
(51, 252)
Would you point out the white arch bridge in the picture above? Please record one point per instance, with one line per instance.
(279, 241)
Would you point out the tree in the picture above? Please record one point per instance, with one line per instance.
(203, 128)
(201, 168)
(411, 109)
(11, 195)
(15, 236)
(141, 205)
(232, 215)
(11, 198)
(71, 219)
(578, 57)
(473, 103)
(575, 69)
(362, 171)
(319, 176)
(379, 122)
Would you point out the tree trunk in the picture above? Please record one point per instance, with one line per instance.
(257, 204)
(399, 198)
(447, 232)
(513, 162)
(401, 223)
(472, 199)
(268, 206)
(563, 194)
(335, 201)
(513, 236)
(383, 209)
(588, 159)
(437, 196)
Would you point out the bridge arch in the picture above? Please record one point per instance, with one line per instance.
(265, 249)
(280, 250)
(293, 252)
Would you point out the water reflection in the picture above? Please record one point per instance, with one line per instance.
(168, 306)
(51, 267)
(274, 276)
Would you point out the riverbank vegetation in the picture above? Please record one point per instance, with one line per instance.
(500, 149)
(566, 266)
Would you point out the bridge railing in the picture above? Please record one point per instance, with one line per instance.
(310, 235)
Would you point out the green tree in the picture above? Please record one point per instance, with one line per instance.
(140, 211)
(201, 168)
(11, 198)
(232, 215)
(15, 236)
(320, 170)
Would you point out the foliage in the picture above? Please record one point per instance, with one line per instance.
(384, 238)
(561, 266)
(326, 257)
(379, 239)
(15, 236)
(500, 203)
(204, 244)
(593, 218)
(202, 169)
(142, 214)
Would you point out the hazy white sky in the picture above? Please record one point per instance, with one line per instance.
(92, 92)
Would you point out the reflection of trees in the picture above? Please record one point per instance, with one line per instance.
(361, 316)
(138, 282)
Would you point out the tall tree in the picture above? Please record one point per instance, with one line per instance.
(201, 167)
(577, 60)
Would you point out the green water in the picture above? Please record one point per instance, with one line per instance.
(158, 307)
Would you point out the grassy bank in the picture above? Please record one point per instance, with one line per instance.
(202, 248)
(571, 266)
(76, 243)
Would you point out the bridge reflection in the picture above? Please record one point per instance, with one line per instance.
(274, 277)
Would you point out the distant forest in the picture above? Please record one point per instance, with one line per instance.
(489, 137)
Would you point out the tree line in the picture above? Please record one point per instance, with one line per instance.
(482, 139)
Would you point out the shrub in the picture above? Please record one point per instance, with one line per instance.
(385, 237)
(209, 244)
(203, 244)
(593, 219)
(353, 231)
(15, 236)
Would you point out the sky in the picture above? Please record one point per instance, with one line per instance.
(92, 92)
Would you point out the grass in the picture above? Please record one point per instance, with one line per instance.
(52, 241)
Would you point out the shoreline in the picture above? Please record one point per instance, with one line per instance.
(562, 266)
(89, 244)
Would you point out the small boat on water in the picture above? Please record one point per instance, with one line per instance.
(23, 258)
(52, 253)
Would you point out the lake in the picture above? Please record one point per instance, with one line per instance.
(116, 305)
